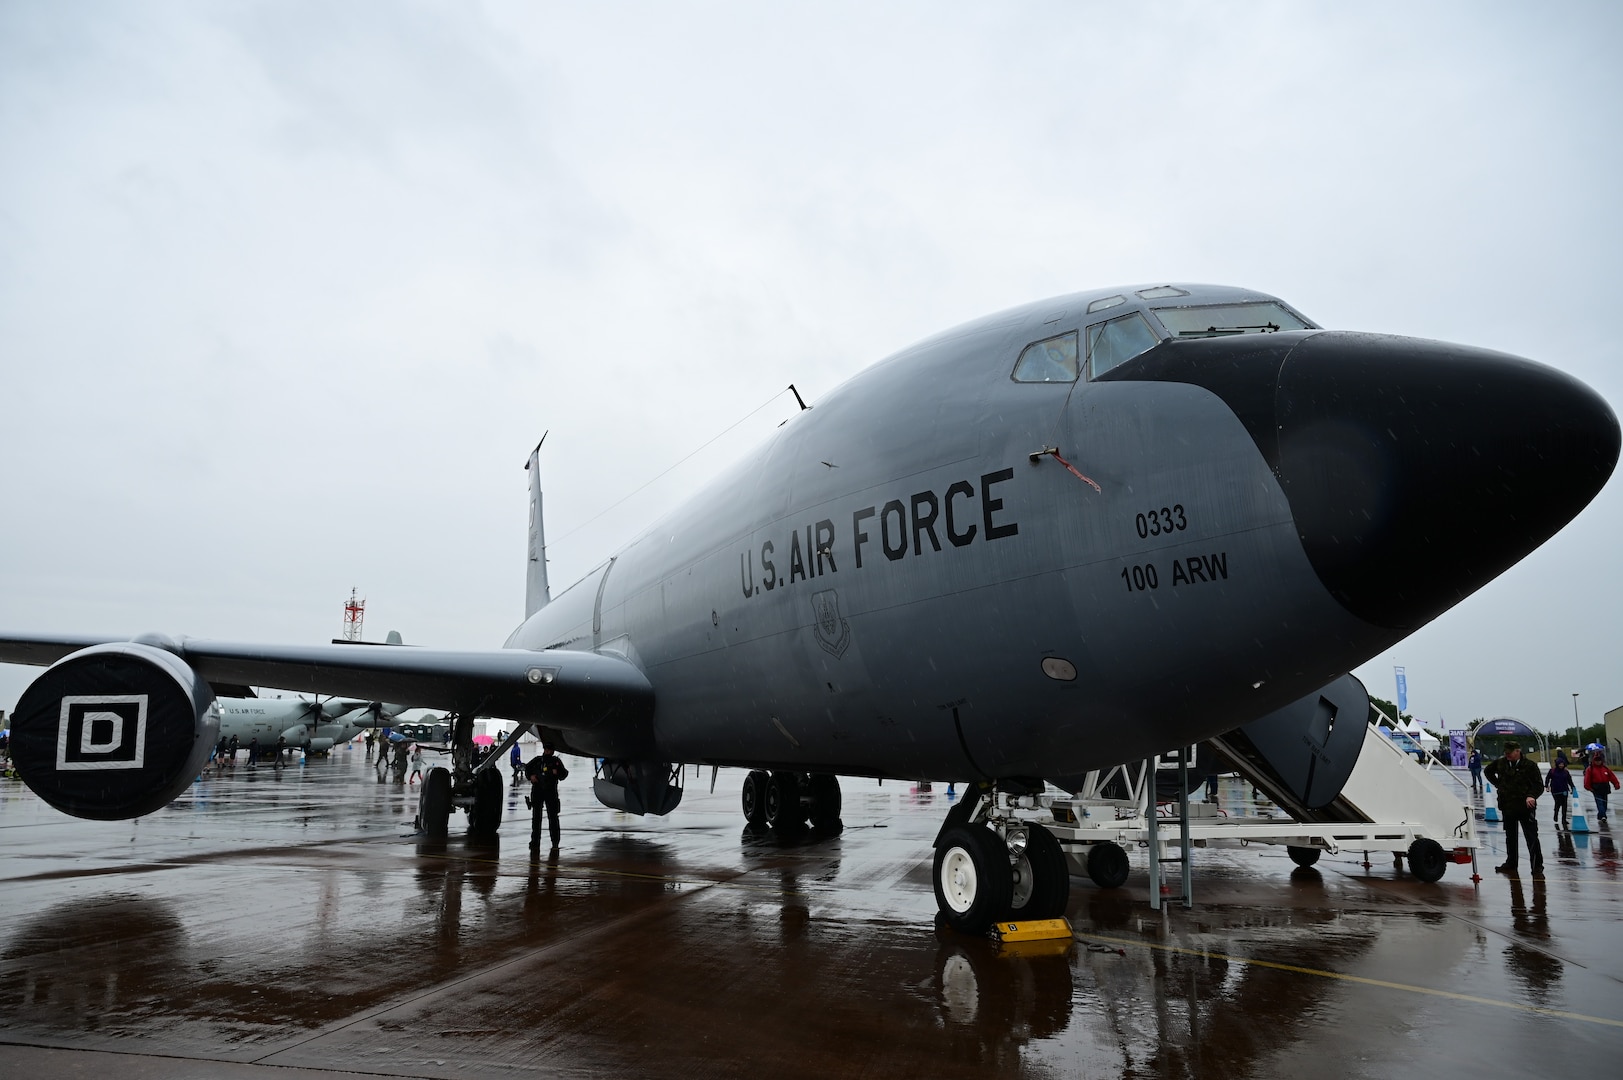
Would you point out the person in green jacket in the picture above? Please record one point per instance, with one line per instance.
(1519, 784)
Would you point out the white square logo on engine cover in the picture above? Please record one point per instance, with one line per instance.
(102, 731)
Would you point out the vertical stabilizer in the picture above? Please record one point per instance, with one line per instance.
(536, 592)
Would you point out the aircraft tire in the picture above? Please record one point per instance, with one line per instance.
(1303, 856)
(486, 814)
(755, 797)
(783, 809)
(1426, 860)
(825, 800)
(434, 804)
(1041, 887)
(972, 878)
(1108, 865)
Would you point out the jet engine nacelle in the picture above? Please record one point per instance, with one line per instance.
(114, 731)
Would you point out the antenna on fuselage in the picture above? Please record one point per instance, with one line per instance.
(796, 393)
(537, 594)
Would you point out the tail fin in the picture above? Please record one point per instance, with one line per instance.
(536, 593)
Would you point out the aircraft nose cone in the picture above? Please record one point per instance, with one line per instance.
(1417, 471)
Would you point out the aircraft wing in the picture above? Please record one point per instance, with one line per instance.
(568, 690)
(44, 651)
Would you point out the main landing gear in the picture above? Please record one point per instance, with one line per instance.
(479, 792)
(992, 867)
(789, 800)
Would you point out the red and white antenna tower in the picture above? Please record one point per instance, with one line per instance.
(354, 616)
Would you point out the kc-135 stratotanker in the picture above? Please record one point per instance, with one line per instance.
(1067, 536)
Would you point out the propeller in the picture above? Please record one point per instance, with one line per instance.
(312, 714)
(378, 714)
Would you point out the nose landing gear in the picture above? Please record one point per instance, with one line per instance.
(993, 867)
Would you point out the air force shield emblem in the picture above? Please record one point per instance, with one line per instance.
(833, 632)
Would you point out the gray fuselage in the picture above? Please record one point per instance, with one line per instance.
(878, 589)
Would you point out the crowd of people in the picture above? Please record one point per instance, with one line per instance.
(224, 754)
(1519, 783)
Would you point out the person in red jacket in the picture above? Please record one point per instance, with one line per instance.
(1599, 782)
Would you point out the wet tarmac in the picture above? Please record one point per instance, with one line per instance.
(278, 924)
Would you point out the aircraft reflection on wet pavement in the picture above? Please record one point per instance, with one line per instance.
(805, 954)
(1070, 535)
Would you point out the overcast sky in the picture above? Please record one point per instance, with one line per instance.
(289, 290)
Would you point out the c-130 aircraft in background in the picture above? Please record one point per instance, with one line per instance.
(1067, 536)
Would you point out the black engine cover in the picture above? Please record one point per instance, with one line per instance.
(114, 731)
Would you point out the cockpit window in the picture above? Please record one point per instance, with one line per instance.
(1218, 320)
(1049, 360)
(1118, 341)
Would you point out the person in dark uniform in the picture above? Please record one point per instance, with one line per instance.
(544, 771)
(1519, 783)
(281, 750)
(253, 752)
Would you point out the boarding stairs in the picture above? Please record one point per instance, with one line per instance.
(1419, 811)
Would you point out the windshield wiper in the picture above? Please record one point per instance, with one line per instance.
(1214, 331)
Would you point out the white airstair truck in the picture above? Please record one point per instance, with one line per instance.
(1390, 801)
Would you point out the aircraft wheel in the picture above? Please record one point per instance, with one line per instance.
(783, 809)
(434, 804)
(825, 800)
(486, 813)
(1302, 856)
(1107, 865)
(755, 785)
(1426, 860)
(972, 878)
(1041, 885)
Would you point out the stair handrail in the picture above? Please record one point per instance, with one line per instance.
(1430, 756)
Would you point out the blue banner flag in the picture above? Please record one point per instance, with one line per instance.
(1403, 693)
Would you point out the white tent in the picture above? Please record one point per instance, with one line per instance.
(1426, 740)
